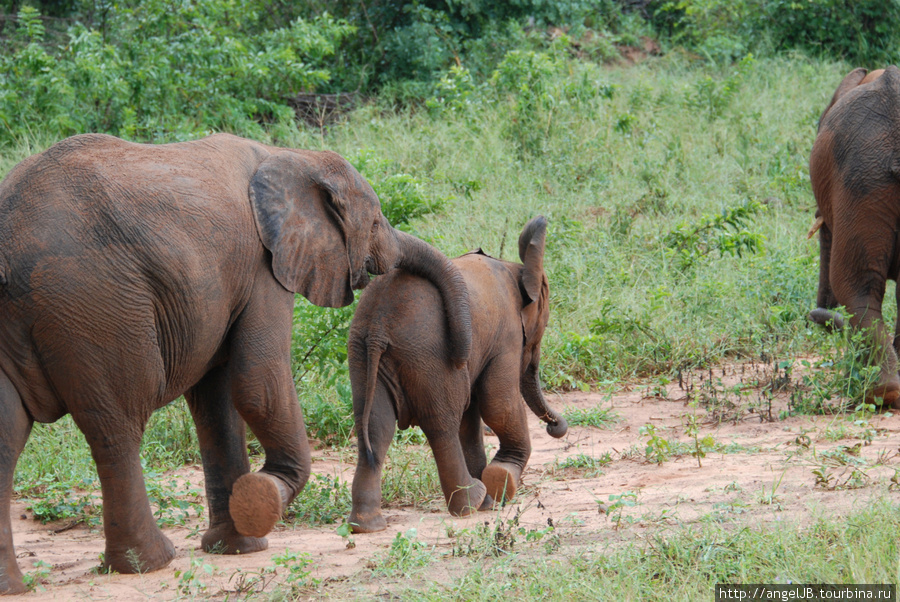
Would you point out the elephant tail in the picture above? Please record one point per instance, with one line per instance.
(374, 352)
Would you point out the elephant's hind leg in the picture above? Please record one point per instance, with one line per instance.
(464, 493)
(220, 431)
(366, 517)
(504, 411)
(858, 276)
(15, 425)
(134, 543)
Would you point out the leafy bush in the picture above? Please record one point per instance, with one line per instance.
(723, 30)
(163, 69)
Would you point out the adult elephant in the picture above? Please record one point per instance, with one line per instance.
(131, 274)
(855, 174)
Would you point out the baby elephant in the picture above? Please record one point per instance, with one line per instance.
(401, 372)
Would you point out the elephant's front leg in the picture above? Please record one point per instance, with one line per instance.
(134, 543)
(220, 431)
(15, 426)
(263, 392)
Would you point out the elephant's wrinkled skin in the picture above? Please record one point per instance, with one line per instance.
(855, 174)
(131, 274)
(401, 372)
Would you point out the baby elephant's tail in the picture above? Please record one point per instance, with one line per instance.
(373, 352)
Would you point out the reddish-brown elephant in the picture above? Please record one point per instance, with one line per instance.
(402, 372)
(131, 274)
(855, 174)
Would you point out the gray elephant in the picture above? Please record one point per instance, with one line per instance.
(402, 371)
(854, 168)
(131, 274)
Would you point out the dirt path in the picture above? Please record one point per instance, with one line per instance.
(755, 470)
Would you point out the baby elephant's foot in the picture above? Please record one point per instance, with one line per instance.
(367, 522)
(256, 503)
(466, 500)
(153, 554)
(224, 539)
(501, 480)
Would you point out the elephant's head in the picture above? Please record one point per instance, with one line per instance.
(535, 314)
(323, 225)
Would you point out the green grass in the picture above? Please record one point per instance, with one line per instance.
(683, 562)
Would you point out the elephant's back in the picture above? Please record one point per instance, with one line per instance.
(403, 312)
(108, 245)
(857, 146)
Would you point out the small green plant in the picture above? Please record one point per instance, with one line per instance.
(294, 569)
(407, 554)
(712, 96)
(345, 530)
(36, 579)
(769, 497)
(191, 580)
(589, 466)
(658, 449)
(324, 501)
(725, 233)
(173, 502)
(58, 501)
(701, 445)
(617, 504)
(597, 416)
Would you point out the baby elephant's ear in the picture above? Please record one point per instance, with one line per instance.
(531, 252)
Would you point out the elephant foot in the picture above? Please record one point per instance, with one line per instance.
(889, 392)
(147, 557)
(501, 480)
(367, 522)
(11, 579)
(486, 504)
(466, 500)
(224, 539)
(256, 503)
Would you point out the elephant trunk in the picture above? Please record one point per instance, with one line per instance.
(826, 301)
(534, 397)
(423, 260)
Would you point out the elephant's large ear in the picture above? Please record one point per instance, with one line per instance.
(850, 81)
(533, 281)
(298, 215)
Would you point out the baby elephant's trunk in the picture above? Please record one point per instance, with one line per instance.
(534, 397)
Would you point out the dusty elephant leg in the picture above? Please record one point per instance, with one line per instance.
(134, 543)
(862, 293)
(220, 431)
(471, 437)
(463, 493)
(507, 418)
(263, 392)
(14, 429)
(503, 409)
(365, 517)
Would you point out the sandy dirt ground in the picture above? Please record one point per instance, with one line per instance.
(790, 470)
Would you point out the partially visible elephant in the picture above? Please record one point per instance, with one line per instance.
(402, 372)
(855, 174)
(131, 274)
